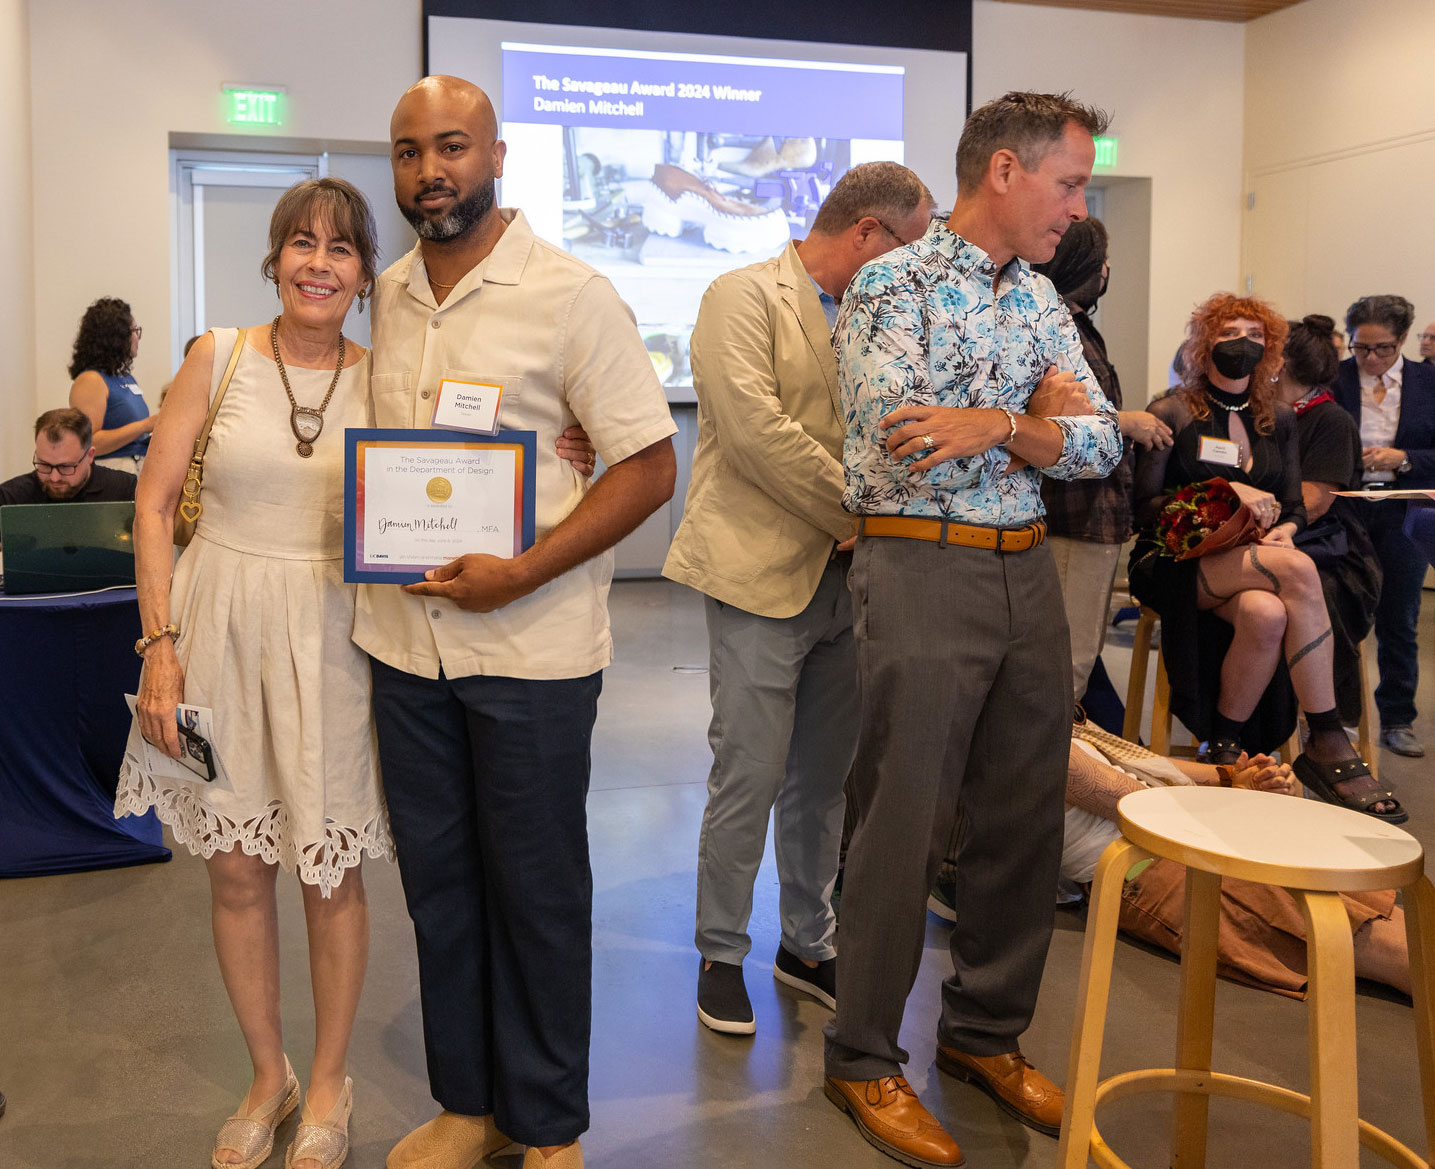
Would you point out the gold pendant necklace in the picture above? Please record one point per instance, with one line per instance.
(307, 424)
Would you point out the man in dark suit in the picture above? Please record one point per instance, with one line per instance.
(1393, 403)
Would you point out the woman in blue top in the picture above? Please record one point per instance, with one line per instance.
(103, 389)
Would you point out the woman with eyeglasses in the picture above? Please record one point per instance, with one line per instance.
(1243, 627)
(1393, 403)
(103, 388)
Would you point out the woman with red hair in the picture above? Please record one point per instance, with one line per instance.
(1241, 627)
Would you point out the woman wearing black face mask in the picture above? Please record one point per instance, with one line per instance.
(1242, 627)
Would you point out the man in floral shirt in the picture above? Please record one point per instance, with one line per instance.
(961, 375)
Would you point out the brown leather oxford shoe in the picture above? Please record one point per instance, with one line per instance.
(1012, 1082)
(891, 1118)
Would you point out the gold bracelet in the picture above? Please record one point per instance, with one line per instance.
(171, 630)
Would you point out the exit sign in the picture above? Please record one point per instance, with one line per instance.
(1106, 151)
(249, 105)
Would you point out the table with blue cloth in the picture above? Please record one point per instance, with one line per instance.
(68, 662)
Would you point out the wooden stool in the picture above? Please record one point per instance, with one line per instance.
(1161, 703)
(1312, 849)
(1161, 700)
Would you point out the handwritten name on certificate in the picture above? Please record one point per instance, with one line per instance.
(417, 499)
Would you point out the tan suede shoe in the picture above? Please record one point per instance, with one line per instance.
(1012, 1082)
(568, 1157)
(891, 1118)
(448, 1141)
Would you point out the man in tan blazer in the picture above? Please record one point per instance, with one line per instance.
(764, 536)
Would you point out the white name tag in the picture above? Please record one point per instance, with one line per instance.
(1219, 450)
(468, 406)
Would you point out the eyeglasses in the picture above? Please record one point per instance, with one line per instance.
(1427, 336)
(1384, 349)
(65, 469)
(893, 234)
(137, 330)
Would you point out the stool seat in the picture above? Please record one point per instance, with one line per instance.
(1271, 838)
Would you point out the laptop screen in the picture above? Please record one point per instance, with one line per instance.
(67, 547)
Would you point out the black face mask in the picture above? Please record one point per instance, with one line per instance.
(1237, 358)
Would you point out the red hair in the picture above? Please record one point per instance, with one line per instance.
(1203, 333)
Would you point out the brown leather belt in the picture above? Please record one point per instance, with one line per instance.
(945, 532)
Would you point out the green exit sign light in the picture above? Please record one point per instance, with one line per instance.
(1106, 152)
(252, 106)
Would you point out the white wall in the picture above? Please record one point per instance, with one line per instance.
(111, 82)
(1340, 154)
(1175, 90)
(109, 85)
(17, 320)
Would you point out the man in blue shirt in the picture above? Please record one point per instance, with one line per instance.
(962, 382)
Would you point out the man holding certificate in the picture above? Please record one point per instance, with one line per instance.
(486, 673)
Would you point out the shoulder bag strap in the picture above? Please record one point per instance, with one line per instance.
(189, 493)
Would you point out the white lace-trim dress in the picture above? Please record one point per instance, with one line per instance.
(265, 620)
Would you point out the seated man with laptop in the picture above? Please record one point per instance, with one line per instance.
(65, 470)
(51, 547)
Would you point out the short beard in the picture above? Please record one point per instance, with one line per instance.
(457, 222)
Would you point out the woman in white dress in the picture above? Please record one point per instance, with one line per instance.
(256, 626)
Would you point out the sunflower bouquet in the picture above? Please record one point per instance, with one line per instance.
(1202, 518)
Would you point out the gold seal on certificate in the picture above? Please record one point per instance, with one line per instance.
(417, 499)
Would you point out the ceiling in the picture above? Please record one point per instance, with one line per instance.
(1233, 10)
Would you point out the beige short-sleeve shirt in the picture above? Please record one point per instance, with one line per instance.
(565, 348)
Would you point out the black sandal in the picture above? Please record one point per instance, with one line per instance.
(1321, 778)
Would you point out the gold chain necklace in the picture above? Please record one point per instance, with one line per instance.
(306, 424)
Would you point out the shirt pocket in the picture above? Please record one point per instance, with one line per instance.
(510, 387)
(392, 394)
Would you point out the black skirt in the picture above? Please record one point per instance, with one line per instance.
(1194, 644)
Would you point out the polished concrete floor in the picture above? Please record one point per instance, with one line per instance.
(117, 1047)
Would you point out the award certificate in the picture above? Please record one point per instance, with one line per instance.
(416, 499)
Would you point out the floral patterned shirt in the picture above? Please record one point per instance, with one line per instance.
(923, 326)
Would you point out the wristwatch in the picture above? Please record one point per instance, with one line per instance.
(1404, 464)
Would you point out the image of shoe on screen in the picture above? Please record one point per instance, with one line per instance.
(1334, 536)
(65, 469)
(103, 388)
(1263, 934)
(1392, 400)
(1245, 634)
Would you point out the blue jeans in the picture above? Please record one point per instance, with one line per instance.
(1398, 613)
(486, 780)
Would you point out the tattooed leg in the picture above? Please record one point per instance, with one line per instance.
(1265, 572)
(1305, 649)
(1205, 585)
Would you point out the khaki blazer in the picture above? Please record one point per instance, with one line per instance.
(765, 504)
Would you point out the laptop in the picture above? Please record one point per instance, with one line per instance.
(67, 547)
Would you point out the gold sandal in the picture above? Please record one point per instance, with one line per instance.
(325, 1141)
(249, 1134)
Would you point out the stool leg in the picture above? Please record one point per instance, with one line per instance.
(1334, 1103)
(1136, 683)
(1078, 1117)
(1195, 1022)
(1367, 746)
(1419, 901)
(1161, 711)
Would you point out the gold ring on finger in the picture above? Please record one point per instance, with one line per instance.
(928, 442)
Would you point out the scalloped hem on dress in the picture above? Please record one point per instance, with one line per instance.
(267, 835)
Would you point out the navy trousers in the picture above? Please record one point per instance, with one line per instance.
(1398, 614)
(486, 780)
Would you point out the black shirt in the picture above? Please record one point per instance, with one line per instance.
(105, 485)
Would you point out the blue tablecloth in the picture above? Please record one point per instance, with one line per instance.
(66, 663)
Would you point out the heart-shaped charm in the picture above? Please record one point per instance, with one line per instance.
(190, 510)
(306, 423)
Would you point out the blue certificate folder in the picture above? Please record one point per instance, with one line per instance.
(359, 442)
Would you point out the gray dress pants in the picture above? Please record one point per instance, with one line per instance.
(783, 733)
(964, 672)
